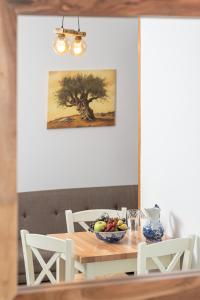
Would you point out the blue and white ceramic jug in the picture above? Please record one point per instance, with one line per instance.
(153, 229)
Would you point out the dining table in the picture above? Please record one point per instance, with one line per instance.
(94, 257)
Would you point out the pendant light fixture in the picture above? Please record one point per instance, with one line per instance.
(63, 44)
(78, 46)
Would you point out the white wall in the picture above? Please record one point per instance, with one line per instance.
(170, 101)
(78, 157)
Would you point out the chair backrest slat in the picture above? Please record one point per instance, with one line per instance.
(28, 259)
(167, 247)
(159, 264)
(174, 261)
(91, 215)
(45, 243)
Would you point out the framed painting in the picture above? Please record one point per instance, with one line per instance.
(81, 98)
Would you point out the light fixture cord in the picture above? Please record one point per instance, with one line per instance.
(62, 22)
(78, 24)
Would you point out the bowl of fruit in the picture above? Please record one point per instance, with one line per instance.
(108, 229)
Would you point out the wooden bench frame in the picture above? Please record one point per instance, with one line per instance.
(180, 286)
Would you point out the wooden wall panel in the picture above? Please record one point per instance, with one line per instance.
(8, 249)
(139, 113)
(157, 287)
(108, 7)
(177, 287)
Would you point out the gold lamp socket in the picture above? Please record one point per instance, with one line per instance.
(78, 38)
(61, 35)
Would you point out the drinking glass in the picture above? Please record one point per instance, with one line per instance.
(133, 217)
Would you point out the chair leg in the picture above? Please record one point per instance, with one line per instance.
(60, 270)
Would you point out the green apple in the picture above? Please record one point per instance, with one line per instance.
(99, 226)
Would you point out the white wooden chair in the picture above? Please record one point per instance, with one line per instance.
(30, 245)
(175, 248)
(91, 215)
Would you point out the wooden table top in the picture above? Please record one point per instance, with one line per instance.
(90, 249)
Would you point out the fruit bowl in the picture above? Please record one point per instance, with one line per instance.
(110, 237)
(108, 229)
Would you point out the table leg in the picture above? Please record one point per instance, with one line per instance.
(89, 272)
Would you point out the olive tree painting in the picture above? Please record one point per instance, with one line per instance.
(81, 98)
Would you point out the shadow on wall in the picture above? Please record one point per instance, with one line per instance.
(175, 227)
(196, 258)
(175, 224)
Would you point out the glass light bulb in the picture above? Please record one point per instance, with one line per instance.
(78, 46)
(61, 45)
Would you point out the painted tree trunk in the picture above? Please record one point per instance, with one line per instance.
(85, 111)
